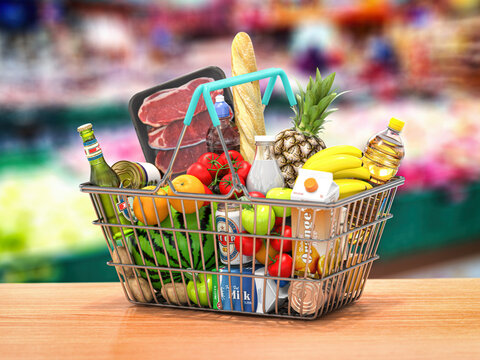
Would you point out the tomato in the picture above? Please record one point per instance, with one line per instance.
(210, 161)
(207, 192)
(247, 243)
(278, 221)
(223, 168)
(285, 268)
(277, 243)
(200, 172)
(226, 184)
(235, 156)
(256, 194)
(242, 169)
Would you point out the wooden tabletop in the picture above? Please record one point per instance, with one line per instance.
(427, 319)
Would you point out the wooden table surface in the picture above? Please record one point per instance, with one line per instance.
(428, 319)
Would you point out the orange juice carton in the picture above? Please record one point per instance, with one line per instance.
(318, 255)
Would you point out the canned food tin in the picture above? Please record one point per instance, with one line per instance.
(136, 175)
(133, 175)
(227, 220)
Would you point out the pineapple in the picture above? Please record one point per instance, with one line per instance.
(295, 145)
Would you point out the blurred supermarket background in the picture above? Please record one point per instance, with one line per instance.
(64, 63)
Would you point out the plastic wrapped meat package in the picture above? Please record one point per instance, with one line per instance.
(158, 114)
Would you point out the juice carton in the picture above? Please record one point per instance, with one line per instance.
(315, 258)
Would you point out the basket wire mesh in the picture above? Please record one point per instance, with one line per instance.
(356, 228)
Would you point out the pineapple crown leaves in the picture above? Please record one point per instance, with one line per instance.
(311, 114)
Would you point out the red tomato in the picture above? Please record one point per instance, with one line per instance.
(277, 243)
(235, 156)
(247, 243)
(207, 191)
(278, 221)
(226, 184)
(286, 267)
(200, 172)
(223, 168)
(210, 161)
(256, 194)
(243, 168)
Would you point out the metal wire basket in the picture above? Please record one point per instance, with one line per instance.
(156, 263)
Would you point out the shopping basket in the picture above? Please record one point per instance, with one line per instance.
(183, 249)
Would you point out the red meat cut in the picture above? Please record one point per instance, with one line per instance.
(166, 106)
(185, 157)
(166, 137)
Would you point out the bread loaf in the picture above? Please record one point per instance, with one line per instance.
(247, 98)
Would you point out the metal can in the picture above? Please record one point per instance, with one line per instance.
(136, 175)
(227, 220)
(306, 297)
(133, 175)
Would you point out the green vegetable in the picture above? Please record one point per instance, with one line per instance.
(197, 241)
(201, 289)
(262, 214)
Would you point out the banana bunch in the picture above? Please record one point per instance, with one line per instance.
(345, 163)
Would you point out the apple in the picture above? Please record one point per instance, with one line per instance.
(281, 194)
(260, 217)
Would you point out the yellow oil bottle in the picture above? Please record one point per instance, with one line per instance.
(384, 152)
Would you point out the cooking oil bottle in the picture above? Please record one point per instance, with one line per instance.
(384, 152)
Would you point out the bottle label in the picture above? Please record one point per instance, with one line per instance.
(92, 150)
(123, 203)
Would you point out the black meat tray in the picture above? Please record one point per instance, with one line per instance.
(136, 102)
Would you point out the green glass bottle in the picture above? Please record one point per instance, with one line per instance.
(101, 174)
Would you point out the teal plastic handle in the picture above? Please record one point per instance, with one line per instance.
(205, 89)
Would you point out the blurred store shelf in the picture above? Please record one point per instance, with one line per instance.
(87, 266)
(430, 220)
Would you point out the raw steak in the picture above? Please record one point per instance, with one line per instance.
(186, 156)
(166, 137)
(165, 106)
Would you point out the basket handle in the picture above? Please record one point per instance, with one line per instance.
(206, 88)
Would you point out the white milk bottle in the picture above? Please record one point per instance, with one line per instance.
(265, 173)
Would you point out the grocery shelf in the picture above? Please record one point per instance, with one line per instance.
(65, 115)
(86, 266)
(430, 219)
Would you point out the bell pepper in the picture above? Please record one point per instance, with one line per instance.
(201, 289)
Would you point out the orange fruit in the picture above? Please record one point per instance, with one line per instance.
(186, 184)
(149, 209)
(260, 255)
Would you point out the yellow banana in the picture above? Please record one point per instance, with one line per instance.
(349, 187)
(335, 150)
(360, 173)
(334, 163)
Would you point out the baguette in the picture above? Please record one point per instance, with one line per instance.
(247, 98)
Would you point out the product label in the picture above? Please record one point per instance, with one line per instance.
(152, 175)
(92, 150)
(241, 288)
(227, 242)
(122, 205)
